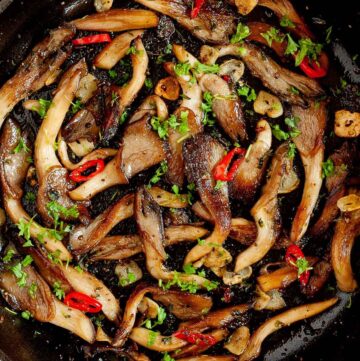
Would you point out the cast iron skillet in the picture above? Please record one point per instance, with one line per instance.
(332, 337)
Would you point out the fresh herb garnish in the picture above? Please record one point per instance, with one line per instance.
(152, 338)
(219, 184)
(44, 106)
(148, 83)
(273, 34)
(247, 92)
(161, 316)
(242, 32)
(76, 106)
(328, 168)
(159, 173)
(292, 150)
(286, 22)
(26, 315)
(130, 278)
(21, 146)
(58, 290)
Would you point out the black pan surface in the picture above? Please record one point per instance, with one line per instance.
(332, 337)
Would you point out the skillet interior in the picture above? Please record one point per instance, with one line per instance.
(22, 340)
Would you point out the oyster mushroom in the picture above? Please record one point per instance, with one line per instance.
(268, 104)
(347, 124)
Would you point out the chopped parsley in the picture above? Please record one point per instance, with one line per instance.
(9, 255)
(242, 32)
(182, 69)
(152, 338)
(307, 48)
(278, 133)
(328, 35)
(286, 22)
(161, 316)
(58, 290)
(148, 83)
(292, 46)
(328, 168)
(273, 35)
(32, 290)
(219, 184)
(162, 126)
(130, 278)
(56, 210)
(302, 265)
(24, 231)
(44, 106)
(191, 287)
(30, 197)
(76, 106)
(159, 173)
(247, 92)
(206, 107)
(167, 357)
(18, 271)
(112, 74)
(123, 117)
(26, 315)
(21, 146)
(292, 150)
(207, 69)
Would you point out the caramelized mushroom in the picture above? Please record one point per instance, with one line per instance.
(168, 88)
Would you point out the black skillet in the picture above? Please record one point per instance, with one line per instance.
(332, 337)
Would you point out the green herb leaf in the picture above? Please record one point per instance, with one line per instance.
(219, 184)
(32, 290)
(24, 231)
(9, 255)
(167, 357)
(148, 83)
(44, 107)
(181, 69)
(286, 22)
(247, 92)
(292, 150)
(302, 265)
(159, 173)
(278, 133)
(292, 46)
(242, 32)
(58, 290)
(21, 146)
(76, 106)
(307, 48)
(206, 69)
(328, 35)
(273, 34)
(189, 269)
(123, 117)
(30, 197)
(112, 74)
(152, 338)
(26, 314)
(328, 168)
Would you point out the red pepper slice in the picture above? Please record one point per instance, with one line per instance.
(77, 174)
(93, 39)
(220, 171)
(196, 9)
(312, 69)
(195, 338)
(82, 302)
(226, 78)
(292, 257)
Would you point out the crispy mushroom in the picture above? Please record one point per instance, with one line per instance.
(226, 106)
(44, 306)
(119, 98)
(141, 149)
(52, 176)
(244, 6)
(342, 159)
(250, 173)
(310, 145)
(201, 154)
(238, 341)
(278, 79)
(151, 229)
(103, 5)
(266, 214)
(346, 230)
(168, 88)
(125, 246)
(13, 170)
(85, 237)
(113, 52)
(45, 58)
(118, 20)
(233, 68)
(282, 320)
(210, 25)
(152, 105)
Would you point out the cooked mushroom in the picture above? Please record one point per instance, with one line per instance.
(103, 5)
(13, 170)
(250, 173)
(347, 124)
(208, 358)
(149, 308)
(311, 149)
(113, 52)
(226, 106)
(159, 343)
(168, 88)
(238, 341)
(282, 320)
(152, 105)
(266, 214)
(151, 229)
(233, 68)
(167, 199)
(232, 278)
(244, 6)
(44, 307)
(346, 230)
(271, 300)
(52, 176)
(87, 87)
(120, 247)
(141, 149)
(319, 276)
(201, 154)
(119, 98)
(118, 20)
(84, 238)
(342, 160)
(268, 104)
(210, 25)
(279, 80)
(128, 272)
(349, 203)
(43, 60)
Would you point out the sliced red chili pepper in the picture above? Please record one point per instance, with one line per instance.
(195, 338)
(221, 171)
(312, 69)
(93, 39)
(196, 9)
(77, 174)
(82, 302)
(226, 78)
(294, 257)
